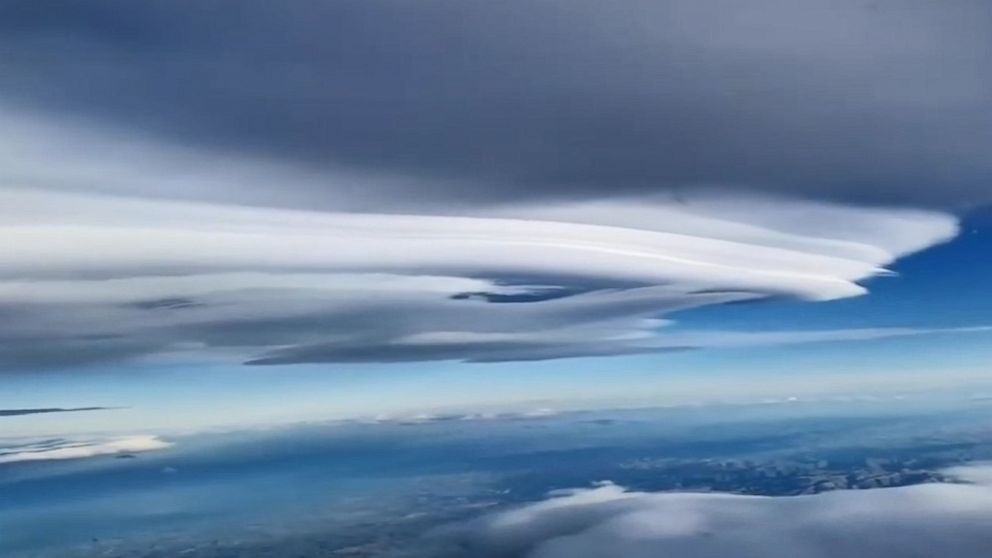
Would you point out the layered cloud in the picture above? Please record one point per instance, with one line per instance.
(87, 278)
(907, 522)
(61, 448)
(378, 181)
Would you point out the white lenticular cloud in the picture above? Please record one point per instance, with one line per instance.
(103, 278)
(60, 449)
(87, 277)
(607, 521)
(120, 237)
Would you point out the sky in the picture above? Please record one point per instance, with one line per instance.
(217, 213)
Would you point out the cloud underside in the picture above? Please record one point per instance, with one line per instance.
(377, 181)
(908, 522)
(88, 279)
(852, 100)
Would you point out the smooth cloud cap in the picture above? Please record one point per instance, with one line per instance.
(606, 521)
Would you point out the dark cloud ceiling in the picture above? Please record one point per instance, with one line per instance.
(860, 101)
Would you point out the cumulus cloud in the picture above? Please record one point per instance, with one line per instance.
(62, 448)
(607, 520)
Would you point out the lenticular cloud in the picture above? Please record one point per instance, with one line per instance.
(60, 448)
(90, 278)
(608, 521)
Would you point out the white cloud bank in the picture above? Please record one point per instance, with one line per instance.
(607, 521)
(88, 278)
(59, 449)
(111, 277)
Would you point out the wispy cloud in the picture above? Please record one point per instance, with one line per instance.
(43, 410)
(63, 448)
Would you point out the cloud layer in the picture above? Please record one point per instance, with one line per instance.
(89, 279)
(875, 101)
(605, 521)
(60, 448)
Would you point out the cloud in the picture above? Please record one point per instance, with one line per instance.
(61, 448)
(88, 279)
(569, 344)
(19, 412)
(607, 520)
(977, 474)
(383, 182)
(860, 101)
(429, 418)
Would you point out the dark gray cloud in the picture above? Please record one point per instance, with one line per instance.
(875, 101)
(40, 411)
(483, 351)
